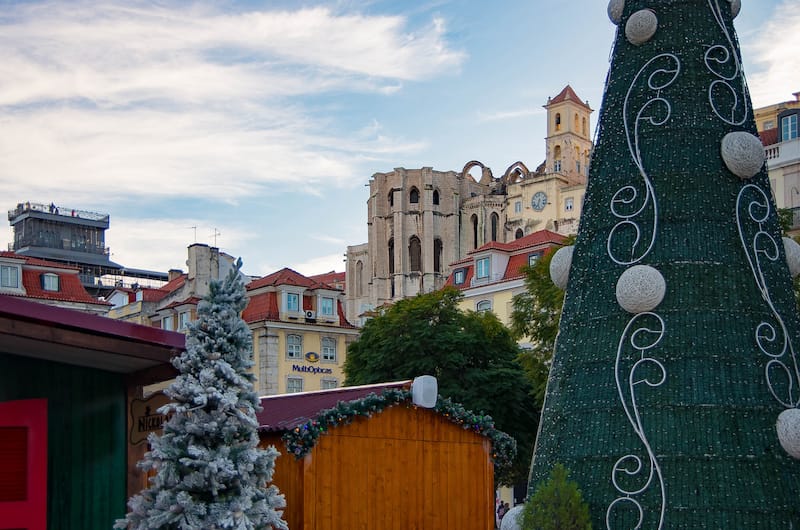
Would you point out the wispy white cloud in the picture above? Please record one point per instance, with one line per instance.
(485, 117)
(176, 100)
(321, 265)
(330, 239)
(774, 53)
(160, 244)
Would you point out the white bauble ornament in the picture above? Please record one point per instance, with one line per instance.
(743, 153)
(615, 8)
(513, 519)
(640, 288)
(788, 427)
(641, 27)
(792, 249)
(736, 6)
(560, 265)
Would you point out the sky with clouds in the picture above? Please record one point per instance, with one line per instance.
(256, 125)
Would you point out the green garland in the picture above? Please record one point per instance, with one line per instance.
(302, 438)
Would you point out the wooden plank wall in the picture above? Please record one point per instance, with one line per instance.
(405, 468)
(288, 477)
(86, 438)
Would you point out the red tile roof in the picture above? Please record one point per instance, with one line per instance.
(262, 306)
(192, 300)
(329, 278)
(284, 412)
(568, 94)
(342, 319)
(36, 261)
(287, 276)
(531, 240)
(150, 294)
(519, 249)
(70, 288)
(769, 136)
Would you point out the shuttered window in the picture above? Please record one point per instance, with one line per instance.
(13, 464)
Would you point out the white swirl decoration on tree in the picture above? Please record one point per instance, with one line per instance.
(625, 242)
(730, 103)
(772, 338)
(636, 476)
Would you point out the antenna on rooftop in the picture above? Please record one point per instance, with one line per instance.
(215, 234)
(195, 232)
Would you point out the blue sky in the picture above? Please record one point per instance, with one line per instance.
(263, 121)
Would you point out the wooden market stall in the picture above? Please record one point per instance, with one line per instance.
(67, 380)
(404, 467)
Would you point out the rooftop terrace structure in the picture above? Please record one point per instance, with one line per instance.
(72, 236)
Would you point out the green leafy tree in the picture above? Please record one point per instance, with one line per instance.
(473, 356)
(557, 504)
(536, 314)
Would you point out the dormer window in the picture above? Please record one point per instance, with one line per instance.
(482, 268)
(292, 303)
(326, 306)
(789, 127)
(50, 282)
(9, 276)
(458, 277)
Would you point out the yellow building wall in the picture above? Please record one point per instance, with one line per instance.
(501, 300)
(130, 313)
(316, 371)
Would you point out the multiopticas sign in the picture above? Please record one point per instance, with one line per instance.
(311, 369)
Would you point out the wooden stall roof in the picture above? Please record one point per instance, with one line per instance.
(284, 412)
(42, 331)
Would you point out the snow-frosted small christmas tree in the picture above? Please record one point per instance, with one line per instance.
(210, 472)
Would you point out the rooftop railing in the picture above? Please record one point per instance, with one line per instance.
(55, 210)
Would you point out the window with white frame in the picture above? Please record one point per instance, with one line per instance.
(329, 349)
(328, 383)
(292, 302)
(569, 204)
(168, 323)
(483, 305)
(326, 306)
(50, 282)
(294, 346)
(789, 127)
(482, 268)
(533, 258)
(294, 384)
(9, 276)
(458, 277)
(517, 206)
(183, 320)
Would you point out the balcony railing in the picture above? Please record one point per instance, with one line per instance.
(783, 153)
(486, 279)
(56, 210)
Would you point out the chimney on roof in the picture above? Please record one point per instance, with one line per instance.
(203, 265)
(173, 273)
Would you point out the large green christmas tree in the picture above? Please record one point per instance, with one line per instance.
(677, 345)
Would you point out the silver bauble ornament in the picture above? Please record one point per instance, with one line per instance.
(640, 289)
